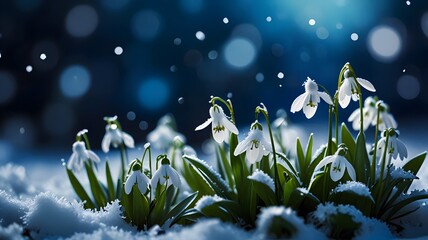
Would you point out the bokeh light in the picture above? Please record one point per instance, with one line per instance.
(260, 77)
(408, 87)
(200, 35)
(81, 21)
(118, 50)
(212, 55)
(384, 43)
(7, 87)
(239, 52)
(322, 33)
(75, 81)
(131, 116)
(153, 93)
(146, 25)
(354, 37)
(45, 55)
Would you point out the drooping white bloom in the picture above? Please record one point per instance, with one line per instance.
(255, 144)
(220, 124)
(163, 135)
(309, 99)
(386, 120)
(338, 165)
(114, 136)
(349, 89)
(165, 174)
(79, 155)
(136, 177)
(396, 148)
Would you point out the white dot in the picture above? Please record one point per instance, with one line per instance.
(143, 125)
(131, 116)
(354, 37)
(118, 50)
(312, 21)
(0, 55)
(181, 100)
(408, 87)
(381, 50)
(280, 85)
(280, 75)
(200, 35)
(408, 3)
(22, 130)
(225, 20)
(404, 70)
(43, 56)
(268, 19)
(260, 77)
(229, 95)
(240, 52)
(177, 41)
(173, 68)
(29, 68)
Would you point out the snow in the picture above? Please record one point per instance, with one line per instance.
(265, 221)
(262, 177)
(356, 187)
(398, 172)
(11, 232)
(206, 201)
(11, 209)
(12, 179)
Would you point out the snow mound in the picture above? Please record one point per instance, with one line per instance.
(49, 215)
(262, 177)
(12, 232)
(13, 179)
(11, 209)
(355, 187)
(398, 172)
(277, 217)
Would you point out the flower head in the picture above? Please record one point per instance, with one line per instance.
(395, 148)
(349, 89)
(371, 106)
(254, 144)
(220, 124)
(79, 155)
(338, 165)
(115, 136)
(163, 135)
(165, 174)
(309, 99)
(136, 177)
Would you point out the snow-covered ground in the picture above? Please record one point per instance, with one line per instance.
(36, 198)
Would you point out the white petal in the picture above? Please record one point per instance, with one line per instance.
(173, 176)
(324, 162)
(230, 126)
(402, 149)
(204, 125)
(93, 156)
(142, 182)
(266, 144)
(340, 164)
(366, 84)
(72, 161)
(254, 154)
(105, 144)
(325, 97)
(297, 104)
(219, 135)
(354, 97)
(351, 170)
(309, 111)
(156, 178)
(130, 181)
(242, 146)
(345, 102)
(128, 140)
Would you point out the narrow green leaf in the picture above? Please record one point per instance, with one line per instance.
(110, 185)
(181, 207)
(195, 180)
(127, 204)
(224, 164)
(303, 201)
(348, 140)
(400, 205)
(413, 166)
(319, 155)
(361, 162)
(264, 192)
(215, 211)
(80, 191)
(119, 189)
(97, 191)
(157, 212)
(211, 176)
(289, 188)
(309, 146)
(137, 208)
(300, 158)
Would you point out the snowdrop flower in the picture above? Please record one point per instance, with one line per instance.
(349, 89)
(163, 135)
(254, 144)
(309, 99)
(371, 106)
(165, 173)
(115, 137)
(396, 147)
(338, 165)
(136, 177)
(220, 124)
(79, 155)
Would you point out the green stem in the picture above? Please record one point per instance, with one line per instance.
(122, 157)
(382, 170)
(330, 133)
(373, 171)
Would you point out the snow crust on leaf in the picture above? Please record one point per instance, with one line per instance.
(262, 177)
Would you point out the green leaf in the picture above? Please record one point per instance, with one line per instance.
(196, 181)
(212, 177)
(225, 165)
(300, 158)
(361, 162)
(119, 189)
(138, 211)
(309, 150)
(401, 204)
(157, 213)
(348, 140)
(80, 191)
(302, 201)
(110, 185)
(363, 203)
(215, 211)
(264, 192)
(127, 204)
(413, 166)
(180, 208)
(97, 191)
(319, 155)
(289, 188)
